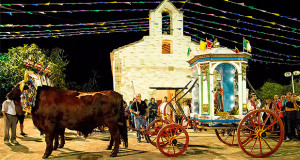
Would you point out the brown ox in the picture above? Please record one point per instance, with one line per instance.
(56, 109)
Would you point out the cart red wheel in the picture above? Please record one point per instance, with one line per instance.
(262, 132)
(184, 122)
(172, 140)
(227, 136)
(153, 129)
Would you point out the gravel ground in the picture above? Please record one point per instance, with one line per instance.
(203, 145)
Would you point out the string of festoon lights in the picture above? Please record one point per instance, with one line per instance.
(238, 33)
(293, 30)
(233, 41)
(252, 59)
(242, 28)
(261, 10)
(240, 15)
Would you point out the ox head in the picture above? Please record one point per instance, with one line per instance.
(16, 92)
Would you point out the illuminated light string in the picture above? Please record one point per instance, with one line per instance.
(252, 59)
(57, 35)
(240, 15)
(237, 33)
(261, 50)
(237, 20)
(264, 11)
(76, 11)
(73, 3)
(68, 25)
(235, 27)
(72, 29)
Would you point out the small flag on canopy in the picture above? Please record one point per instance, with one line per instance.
(236, 50)
(202, 45)
(189, 51)
(246, 45)
(209, 44)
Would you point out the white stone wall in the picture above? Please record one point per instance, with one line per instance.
(145, 65)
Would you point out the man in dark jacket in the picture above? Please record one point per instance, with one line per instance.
(139, 108)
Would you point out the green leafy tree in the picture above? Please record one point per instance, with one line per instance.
(13, 69)
(269, 89)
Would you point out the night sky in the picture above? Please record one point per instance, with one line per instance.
(91, 52)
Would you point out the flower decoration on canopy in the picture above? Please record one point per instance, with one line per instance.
(39, 65)
(47, 70)
(29, 61)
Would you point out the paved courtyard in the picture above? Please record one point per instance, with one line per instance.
(203, 145)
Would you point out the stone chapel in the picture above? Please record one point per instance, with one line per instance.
(157, 60)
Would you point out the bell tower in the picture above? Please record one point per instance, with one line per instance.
(165, 11)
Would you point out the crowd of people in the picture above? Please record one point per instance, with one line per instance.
(287, 107)
(139, 114)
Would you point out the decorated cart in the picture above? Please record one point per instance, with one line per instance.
(219, 103)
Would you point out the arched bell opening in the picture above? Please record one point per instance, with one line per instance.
(166, 22)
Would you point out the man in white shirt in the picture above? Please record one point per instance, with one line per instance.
(253, 103)
(10, 120)
(162, 107)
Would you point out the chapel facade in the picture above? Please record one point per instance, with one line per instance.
(157, 60)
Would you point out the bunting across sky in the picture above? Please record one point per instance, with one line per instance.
(238, 33)
(261, 10)
(122, 21)
(75, 3)
(243, 28)
(262, 30)
(124, 25)
(292, 30)
(297, 62)
(220, 37)
(77, 33)
(75, 11)
(240, 15)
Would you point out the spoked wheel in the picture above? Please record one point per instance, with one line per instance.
(229, 136)
(153, 129)
(172, 140)
(263, 133)
(184, 122)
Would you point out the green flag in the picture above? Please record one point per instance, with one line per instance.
(189, 51)
(246, 45)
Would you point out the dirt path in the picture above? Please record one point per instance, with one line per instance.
(203, 145)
